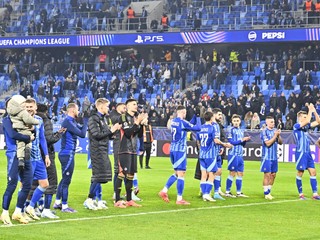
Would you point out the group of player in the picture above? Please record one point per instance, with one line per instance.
(212, 144)
(36, 166)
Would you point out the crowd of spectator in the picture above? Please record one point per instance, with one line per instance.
(163, 75)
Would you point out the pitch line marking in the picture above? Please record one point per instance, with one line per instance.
(149, 213)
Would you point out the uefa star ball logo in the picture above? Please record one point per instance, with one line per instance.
(252, 36)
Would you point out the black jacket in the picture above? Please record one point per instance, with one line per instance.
(99, 135)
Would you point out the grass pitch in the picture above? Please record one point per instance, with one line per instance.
(285, 217)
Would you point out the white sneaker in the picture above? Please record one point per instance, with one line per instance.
(208, 198)
(47, 213)
(30, 211)
(268, 197)
(38, 212)
(5, 218)
(89, 204)
(221, 193)
(135, 197)
(242, 195)
(101, 205)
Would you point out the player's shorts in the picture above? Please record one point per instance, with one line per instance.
(208, 164)
(304, 161)
(235, 163)
(39, 170)
(127, 163)
(179, 160)
(269, 166)
(219, 161)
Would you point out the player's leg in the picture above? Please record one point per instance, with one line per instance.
(171, 180)
(148, 154)
(180, 186)
(232, 167)
(26, 181)
(299, 184)
(313, 183)
(40, 174)
(240, 171)
(122, 164)
(12, 178)
(67, 165)
(51, 190)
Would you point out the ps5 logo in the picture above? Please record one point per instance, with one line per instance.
(148, 39)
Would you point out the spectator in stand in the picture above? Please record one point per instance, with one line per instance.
(255, 121)
(301, 78)
(247, 119)
(309, 9)
(282, 103)
(273, 102)
(257, 74)
(269, 73)
(131, 18)
(273, 21)
(288, 80)
(289, 124)
(164, 22)
(277, 77)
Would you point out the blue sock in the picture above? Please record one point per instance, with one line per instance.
(266, 190)
(37, 195)
(314, 185)
(209, 186)
(99, 192)
(93, 189)
(47, 201)
(180, 185)
(299, 184)
(171, 181)
(216, 182)
(239, 184)
(229, 183)
(203, 187)
(135, 181)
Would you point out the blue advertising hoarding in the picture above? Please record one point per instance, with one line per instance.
(243, 36)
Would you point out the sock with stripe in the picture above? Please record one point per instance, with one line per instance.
(217, 181)
(172, 179)
(299, 184)
(209, 186)
(203, 187)
(239, 184)
(37, 195)
(229, 183)
(180, 186)
(266, 190)
(314, 184)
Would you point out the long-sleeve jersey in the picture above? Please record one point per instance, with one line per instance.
(179, 129)
(302, 138)
(268, 153)
(39, 141)
(217, 132)
(11, 136)
(235, 137)
(205, 138)
(69, 138)
(128, 135)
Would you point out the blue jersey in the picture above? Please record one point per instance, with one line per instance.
(302, 138)
(11, 135)
(269, 153)
(216, 128)
(69, 138)
(235, 137)
(179, 129)
(39, 140)
(206, 137)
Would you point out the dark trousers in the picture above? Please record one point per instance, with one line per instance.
(147, 150)
(67, 167)
(12, 177)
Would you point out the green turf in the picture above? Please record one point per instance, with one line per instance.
(252, 218)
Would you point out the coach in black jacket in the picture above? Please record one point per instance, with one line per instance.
(99, 135)
(51, 138)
